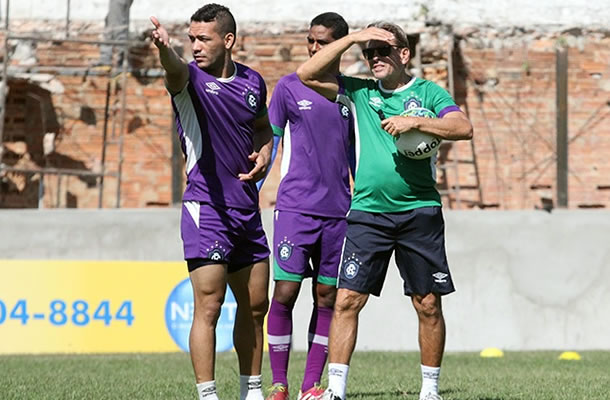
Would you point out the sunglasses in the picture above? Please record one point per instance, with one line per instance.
(383, 51)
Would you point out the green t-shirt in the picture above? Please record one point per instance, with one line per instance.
(387, 181)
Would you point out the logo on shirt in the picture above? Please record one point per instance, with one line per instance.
(284, 249)
(351, 266)
(251, 100)
(216, 252)
(304, 104)
(413, 102)
(376, 101)
(213, 88)
(344, 110)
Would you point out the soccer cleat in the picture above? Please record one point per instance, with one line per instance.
(328, 395)
(278, 392)
(431, 396)
(313, 393)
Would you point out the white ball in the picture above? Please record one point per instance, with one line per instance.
(416, 144)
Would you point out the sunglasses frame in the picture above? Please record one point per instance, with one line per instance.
(378, 50)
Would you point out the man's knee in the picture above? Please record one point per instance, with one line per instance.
(286, 292)
(207, 309)
(260, 308)
(349, 302)
(428, 306)
(256, 302)
(326, 295)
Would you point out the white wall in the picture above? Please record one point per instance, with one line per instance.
(526, 280)
(497, 13)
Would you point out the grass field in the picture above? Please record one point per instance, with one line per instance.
(373, 375)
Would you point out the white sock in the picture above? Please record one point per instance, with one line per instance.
(429, 380)
(250, 387)
(207, 390)
(337, 378)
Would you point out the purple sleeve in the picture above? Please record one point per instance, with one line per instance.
(341, 85)
(278, 115)
(262, 106)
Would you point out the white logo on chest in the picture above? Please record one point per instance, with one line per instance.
(304, 104)
(213, 88)
(376, 101)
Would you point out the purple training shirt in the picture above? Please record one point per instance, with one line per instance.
(215, 120)
(315, 159)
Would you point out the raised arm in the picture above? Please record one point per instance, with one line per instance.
(176, 69)
(315, 74)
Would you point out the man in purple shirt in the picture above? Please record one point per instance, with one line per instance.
(312, 202)
(226, 138)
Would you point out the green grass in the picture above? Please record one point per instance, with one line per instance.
(373, 376)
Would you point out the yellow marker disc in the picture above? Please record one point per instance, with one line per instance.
(492, 352)
(569, 355)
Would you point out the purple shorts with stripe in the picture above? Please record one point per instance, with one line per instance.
(222, 235)
(299, 238)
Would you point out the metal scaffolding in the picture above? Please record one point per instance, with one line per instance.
(452, 192)
(114, 138)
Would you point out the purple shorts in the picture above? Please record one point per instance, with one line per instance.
(299, 238)
(222, 235)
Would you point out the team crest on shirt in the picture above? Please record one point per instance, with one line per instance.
(284, 249)
(251, 100)
(413, 102)
(344, 110)
(351, 266)
(216, 252)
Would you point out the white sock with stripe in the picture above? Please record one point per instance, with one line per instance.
(207, 390)
(429, 383)
(250, 387)
(337, 378)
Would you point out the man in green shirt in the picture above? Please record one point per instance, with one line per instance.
(395, 205)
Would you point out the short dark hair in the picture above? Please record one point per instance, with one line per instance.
(332, 21)
(399, 33)
(215, 12)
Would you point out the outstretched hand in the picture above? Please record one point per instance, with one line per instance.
(159, 35)
(261, 163)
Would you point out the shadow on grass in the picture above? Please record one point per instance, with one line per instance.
(375, 395)
(397, 394)
(454, 394)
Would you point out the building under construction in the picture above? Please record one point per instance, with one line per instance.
(76, 134)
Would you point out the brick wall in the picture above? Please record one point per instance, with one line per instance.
(506, 85)
(510, 95)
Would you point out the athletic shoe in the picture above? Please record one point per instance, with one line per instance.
(278, 392)
(313, 393)
(327, 395)
(431, 396)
